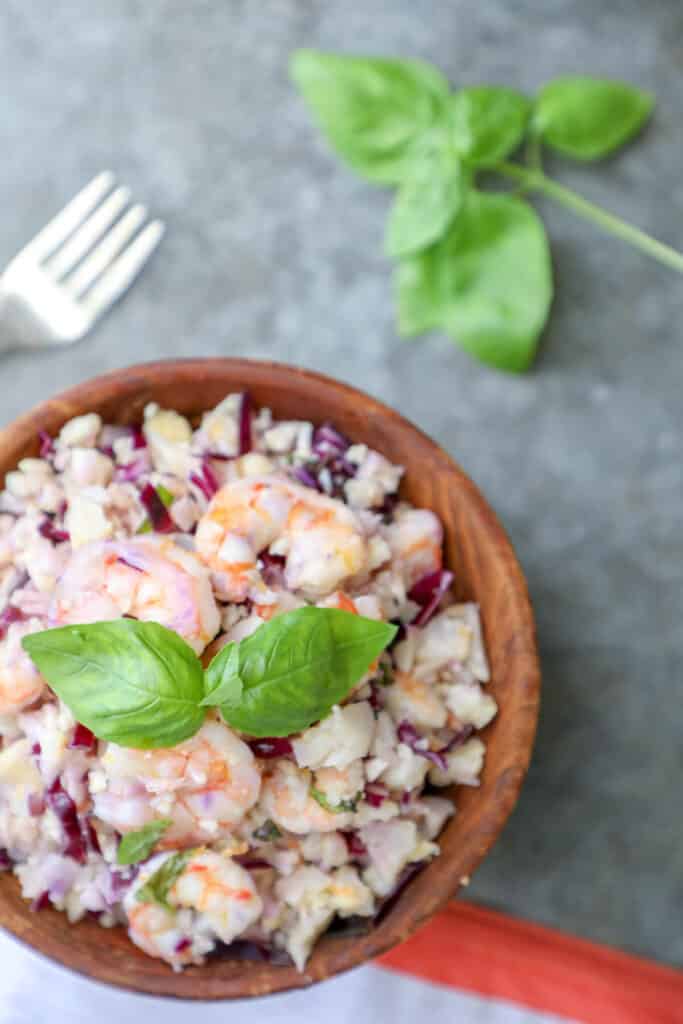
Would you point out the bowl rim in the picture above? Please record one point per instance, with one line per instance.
(378, 940)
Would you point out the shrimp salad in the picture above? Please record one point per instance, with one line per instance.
(211, 529)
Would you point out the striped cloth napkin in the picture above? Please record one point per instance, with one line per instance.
(467, 966)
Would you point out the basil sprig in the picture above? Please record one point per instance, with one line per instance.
(140, 685)
(473, 263)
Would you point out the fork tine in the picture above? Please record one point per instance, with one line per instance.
(123, 271)
(103, 254)
(66, 258)
(61, 226)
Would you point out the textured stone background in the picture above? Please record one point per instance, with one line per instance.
(274, 250)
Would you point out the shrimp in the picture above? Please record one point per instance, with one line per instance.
(321, 538)
(148, 578)
(415, 538)
(205, 786)
(286, 798)
(214, 898)
(21, 684)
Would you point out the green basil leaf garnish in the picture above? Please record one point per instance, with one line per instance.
(138, 845)
(427, 201)
(374, 111)
(222, 682)
(134, 683)
(488, 282)
(488, 122)
(588, 118)
(140, 685)
(158, 886)
(398, 123)
(294, 669)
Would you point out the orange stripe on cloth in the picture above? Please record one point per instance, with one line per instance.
(497, 956)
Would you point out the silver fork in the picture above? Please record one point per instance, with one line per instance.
(73, 271)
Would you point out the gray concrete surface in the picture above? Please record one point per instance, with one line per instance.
(273, 250)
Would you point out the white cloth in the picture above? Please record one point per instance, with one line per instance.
(36, 991)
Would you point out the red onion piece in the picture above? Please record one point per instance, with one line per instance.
(132, 471)
(83, 738)
(64, 808)
(196, 479)
(210, 477)
(343, 467)
(47, 446)
(354, 844)
(423, 591)
(156, 510)
(245, 860)
(119, 882)
(219, 456)
(376, 696)
(327, 438)
(245, 424)
(408, 734)
(305, 477)
(271, 746)
(92, 837)
(205, 480)
(138, 437)
(36, 750)
(5, 860)
(41, 902)
(51, 532)
(457, 740)
(130, 565)
(375, 794)
(9, 615)
(182, 944)
(36, 805)
(428, 592)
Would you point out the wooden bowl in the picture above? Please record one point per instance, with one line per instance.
(486, 571)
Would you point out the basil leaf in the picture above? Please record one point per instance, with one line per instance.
(135, 683)
(137, 846)
(158, 886)
(488, 122)
(294, 668)
(373, 110)
(588, 118)
(222, 682)
(427, 201)
(420, 291)
(340, 808)
(488, 282)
